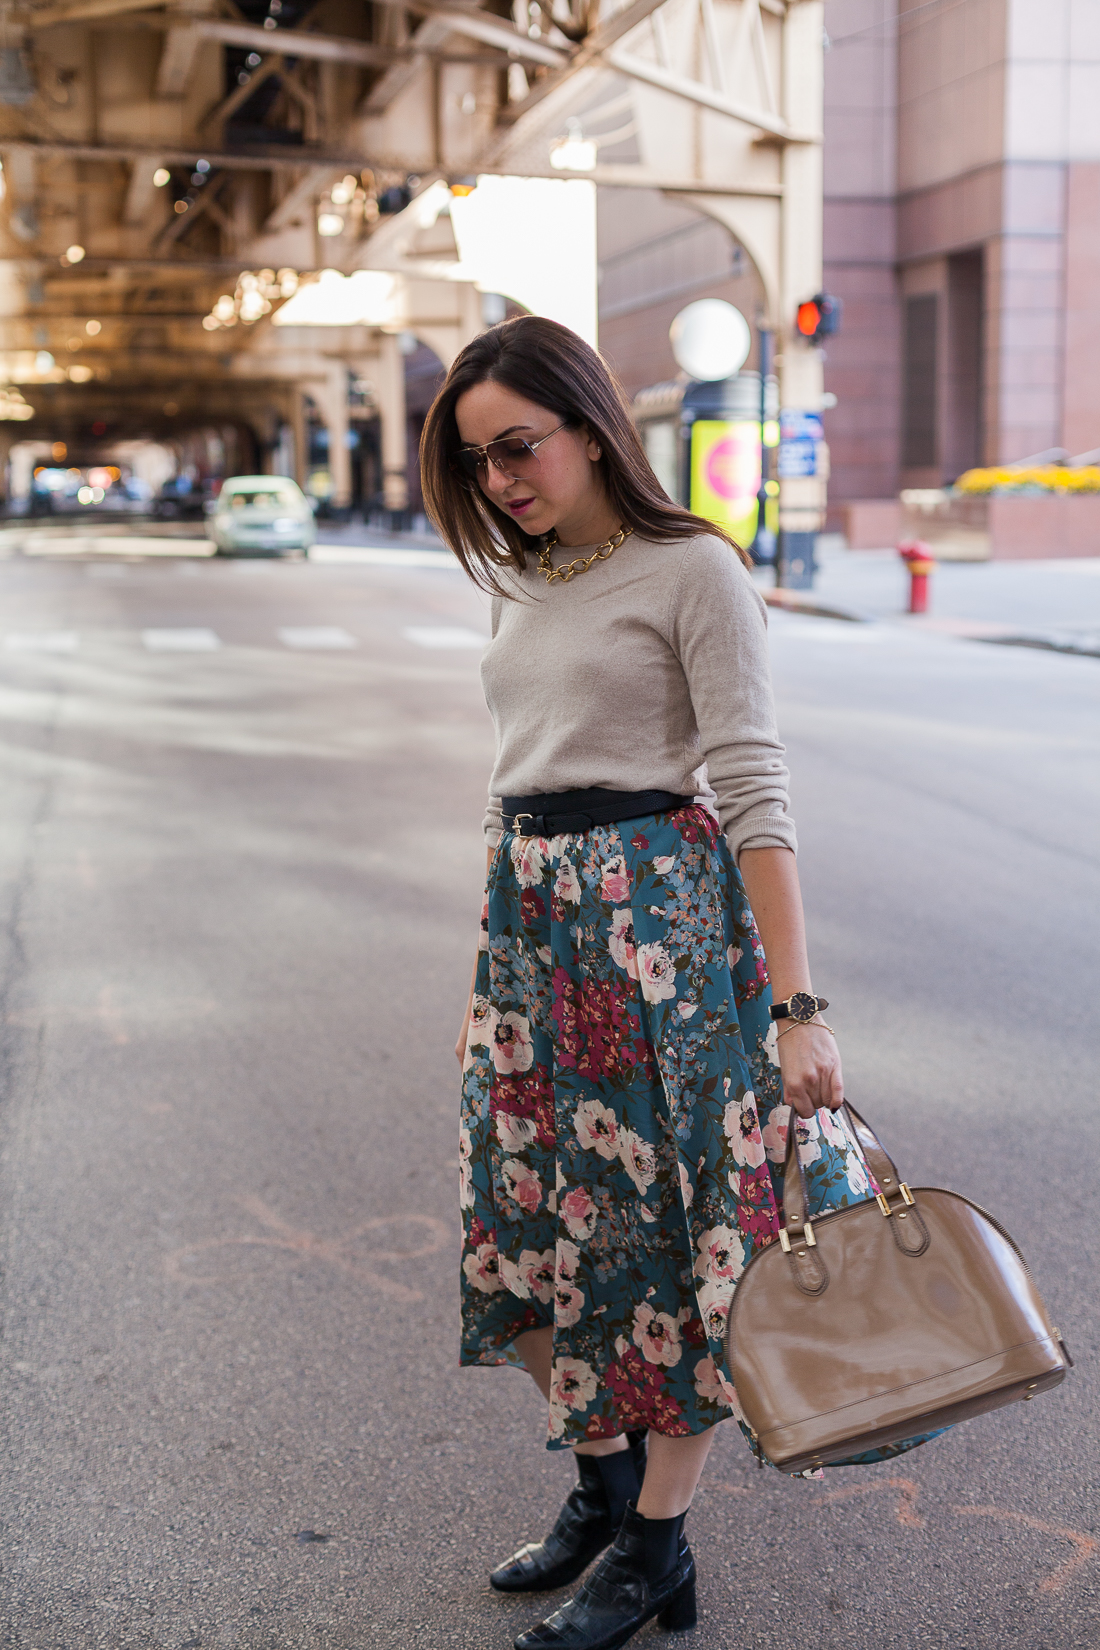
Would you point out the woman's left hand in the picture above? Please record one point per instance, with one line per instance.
(810, 1063)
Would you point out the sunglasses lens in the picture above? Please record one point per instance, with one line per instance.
(514, 457)
(469, 462)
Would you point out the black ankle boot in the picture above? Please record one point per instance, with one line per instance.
(586, 1524)
(623, 1593)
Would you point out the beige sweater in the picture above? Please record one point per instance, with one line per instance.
(648, 672)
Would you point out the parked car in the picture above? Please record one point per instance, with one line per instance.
(180, 499)
(261, 515)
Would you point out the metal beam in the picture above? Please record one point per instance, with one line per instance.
(257, 158)
(639, 177)
(177, 59)
(297, 199)
(141, 192)
(597, 42)
(479, 26)
(80, 11)
(328, 48)
(429, 35)
(637, 68)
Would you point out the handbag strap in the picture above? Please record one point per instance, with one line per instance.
(880, 1166)
(879, 1163)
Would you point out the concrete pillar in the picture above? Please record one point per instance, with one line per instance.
(336, 417)
(296, 418)
(394, 418)
(7, 437)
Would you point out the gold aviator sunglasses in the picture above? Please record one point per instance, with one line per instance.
(511, 456)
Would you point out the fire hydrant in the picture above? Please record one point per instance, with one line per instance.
(920, 561)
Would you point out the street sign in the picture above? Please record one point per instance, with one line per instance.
(799, 434)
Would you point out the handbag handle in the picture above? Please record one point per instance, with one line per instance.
(879, 1164)
(877, 1159)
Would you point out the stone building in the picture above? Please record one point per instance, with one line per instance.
(962, 230)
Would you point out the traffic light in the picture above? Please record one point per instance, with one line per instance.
(819, 317)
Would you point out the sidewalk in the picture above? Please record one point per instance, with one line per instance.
(1050, 604)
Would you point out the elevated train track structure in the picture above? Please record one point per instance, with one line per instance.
(172, 173)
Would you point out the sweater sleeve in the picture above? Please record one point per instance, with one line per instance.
(493, 823)
(718, 629)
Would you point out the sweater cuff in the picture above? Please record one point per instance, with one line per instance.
(493, 823)
(762, 831)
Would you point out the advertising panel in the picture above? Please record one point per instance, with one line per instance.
(725, 474)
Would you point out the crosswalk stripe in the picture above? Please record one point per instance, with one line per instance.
(42, 641)
(316, 636)
(444, 636)
(181, 640)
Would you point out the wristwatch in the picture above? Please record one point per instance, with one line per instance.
(800, 1007)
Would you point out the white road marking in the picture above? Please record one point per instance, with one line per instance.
(181, 641)
(443, 635)
(42, 641)
(383, 556)
(317, 636)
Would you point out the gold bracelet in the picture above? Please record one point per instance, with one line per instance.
(814, 1022)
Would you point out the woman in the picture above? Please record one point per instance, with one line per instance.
(622, 1086)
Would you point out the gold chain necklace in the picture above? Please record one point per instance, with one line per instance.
(582, 563)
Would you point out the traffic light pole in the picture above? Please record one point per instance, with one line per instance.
(762, 549)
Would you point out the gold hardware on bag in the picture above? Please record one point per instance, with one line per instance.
(906, 1197)
(807, 1234)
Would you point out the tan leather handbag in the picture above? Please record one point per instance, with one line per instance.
(902, 1314)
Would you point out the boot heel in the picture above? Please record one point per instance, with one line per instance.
(679, 1613)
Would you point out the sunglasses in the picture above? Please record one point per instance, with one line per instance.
(511, 456)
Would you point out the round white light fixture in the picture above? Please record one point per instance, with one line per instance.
(710, 339)
(161, 176)
(74, 254)
(330, 223)
(93, 328)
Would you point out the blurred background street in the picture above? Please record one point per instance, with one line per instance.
(843, 260)
(240, 868)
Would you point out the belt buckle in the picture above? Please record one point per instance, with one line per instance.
(516, 825)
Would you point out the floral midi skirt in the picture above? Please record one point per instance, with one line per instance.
(623, 1127)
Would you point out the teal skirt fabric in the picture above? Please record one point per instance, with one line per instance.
(623, 1127)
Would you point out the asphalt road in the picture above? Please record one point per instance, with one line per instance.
(239, 874)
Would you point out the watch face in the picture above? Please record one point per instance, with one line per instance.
(803, 1007)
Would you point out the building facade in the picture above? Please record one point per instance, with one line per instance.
(962, 231)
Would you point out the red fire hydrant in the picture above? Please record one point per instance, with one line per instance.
(920, 561)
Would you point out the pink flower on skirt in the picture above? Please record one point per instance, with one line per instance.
(657, 1334)
(482, 1269)
(578, 1212)
(513, 1049)
(522, 1184)
(615, 881)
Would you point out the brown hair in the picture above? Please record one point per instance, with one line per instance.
(544, 362)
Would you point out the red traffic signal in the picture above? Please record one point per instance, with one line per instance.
(818, 317)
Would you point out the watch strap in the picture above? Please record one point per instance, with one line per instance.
(797, 1007)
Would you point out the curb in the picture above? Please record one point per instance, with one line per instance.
(789, 601)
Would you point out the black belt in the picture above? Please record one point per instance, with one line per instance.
(556, 812)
